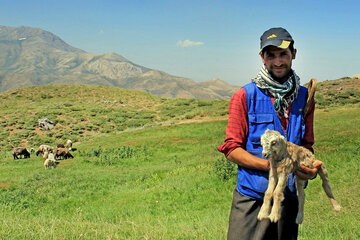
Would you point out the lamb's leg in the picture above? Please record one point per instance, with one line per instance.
(301, 198)
(327, 188)
(265, 208)
(278, 196)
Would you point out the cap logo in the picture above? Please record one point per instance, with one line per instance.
(271, 36)
(285, 44)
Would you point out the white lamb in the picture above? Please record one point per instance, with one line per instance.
(284, 156)
(49, 161)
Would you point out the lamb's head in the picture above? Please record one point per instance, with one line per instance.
(272, 142)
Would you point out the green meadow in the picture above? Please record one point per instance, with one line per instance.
(154, 174)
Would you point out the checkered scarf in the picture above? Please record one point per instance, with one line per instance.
(284, 94)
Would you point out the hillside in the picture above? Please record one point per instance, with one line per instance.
(338, 92)
(32, 56)
(83, 111)
(164, 183)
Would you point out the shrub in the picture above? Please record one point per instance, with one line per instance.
(224, 169)
(67, 104)
(137, 122)
(203, 103)
(118, 155)
(49, 134)
(59, 135)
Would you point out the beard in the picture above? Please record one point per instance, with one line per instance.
(280, 74)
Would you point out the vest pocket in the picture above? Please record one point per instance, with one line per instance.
(258, 123)
(251, 179)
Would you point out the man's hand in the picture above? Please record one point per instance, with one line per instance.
(306, 173)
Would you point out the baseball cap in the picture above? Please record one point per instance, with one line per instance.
(278, 37)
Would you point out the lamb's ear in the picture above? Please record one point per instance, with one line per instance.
(263, 135)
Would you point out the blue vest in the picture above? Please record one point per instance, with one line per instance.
(261, 116)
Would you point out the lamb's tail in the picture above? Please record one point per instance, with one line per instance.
(327, 188)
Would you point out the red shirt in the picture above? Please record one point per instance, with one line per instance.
(238, 128)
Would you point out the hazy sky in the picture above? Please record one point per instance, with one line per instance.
(204, 39)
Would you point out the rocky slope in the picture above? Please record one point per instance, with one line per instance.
(32, 56)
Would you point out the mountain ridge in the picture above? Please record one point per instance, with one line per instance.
(32, 56)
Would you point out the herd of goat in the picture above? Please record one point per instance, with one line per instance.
(49, 154)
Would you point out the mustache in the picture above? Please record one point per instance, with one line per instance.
(281, 66)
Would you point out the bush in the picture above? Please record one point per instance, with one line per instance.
(224, 169)
(204, 103)
(114, 156)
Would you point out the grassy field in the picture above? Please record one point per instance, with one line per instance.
(82, 112)
(163, 181)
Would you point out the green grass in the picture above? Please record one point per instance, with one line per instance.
(167, 188)
(162, 181)
(84, 111)
(171, 194)
(338, 146)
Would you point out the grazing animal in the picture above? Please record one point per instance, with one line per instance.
(44, 148)
(68, 144)
(45, 155)
(60, 145)
(284, 158)
(49, 161)
(20, 151)
(62, 153)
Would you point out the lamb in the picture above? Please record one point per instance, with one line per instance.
(63, 153)
(20, 151)
(43, 148)
(49, 161)
(284, 157)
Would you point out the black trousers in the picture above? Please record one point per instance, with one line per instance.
(243, 223)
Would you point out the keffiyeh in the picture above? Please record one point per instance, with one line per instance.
(284, 94)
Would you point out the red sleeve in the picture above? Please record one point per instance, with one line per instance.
(308, 139)
(237, 128)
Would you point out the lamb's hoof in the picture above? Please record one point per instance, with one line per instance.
(335, 205)
(274, 218)
(337, 208)
(261, 216)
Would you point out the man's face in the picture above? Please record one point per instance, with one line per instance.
(278, 62)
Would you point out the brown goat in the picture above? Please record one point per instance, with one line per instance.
(62, 153)
(20, 151)
(60, 145)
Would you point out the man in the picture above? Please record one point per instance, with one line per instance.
(273, 100)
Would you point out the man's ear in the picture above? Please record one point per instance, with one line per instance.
(294, 54)
(262, 57)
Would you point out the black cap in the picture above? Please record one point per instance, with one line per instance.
(277, 37)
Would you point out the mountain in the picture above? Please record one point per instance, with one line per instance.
(356, 76)
(32, 56)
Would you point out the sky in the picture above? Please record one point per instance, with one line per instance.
(202, 39)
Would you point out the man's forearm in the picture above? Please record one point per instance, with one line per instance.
(245, 159)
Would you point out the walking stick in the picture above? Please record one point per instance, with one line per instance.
(311, 94)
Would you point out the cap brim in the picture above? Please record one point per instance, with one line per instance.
(284, 44)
